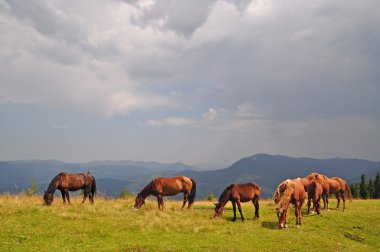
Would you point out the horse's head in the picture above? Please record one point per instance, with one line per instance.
(219, 209)
(139, 201)
(281, 215)
(48, 198)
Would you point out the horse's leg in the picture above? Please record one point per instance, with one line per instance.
(338, 199)
(296, 208)
(257, 206)
(327, 202)
(286, 219)
(160, 202)
(63, 196)
(68, 196)
(241, 212)
(308, 205)
(344, 202)
(317, 205)
(185, 198)
(91, 197)
(324, 200)
(85, 193)
(234, 208)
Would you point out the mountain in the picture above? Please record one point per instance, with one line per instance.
(15, 176)
(269, 170)
(113, 176)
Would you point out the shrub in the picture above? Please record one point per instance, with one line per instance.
(32, 189)
(125, 194)
(211, 197)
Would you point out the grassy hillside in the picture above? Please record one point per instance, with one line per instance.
(112, 225)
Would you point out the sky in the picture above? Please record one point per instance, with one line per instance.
(193, 81)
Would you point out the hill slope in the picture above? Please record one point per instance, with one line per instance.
(112, 176)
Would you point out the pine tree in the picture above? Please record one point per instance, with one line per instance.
(353, 190)
(376, 185)
(370, 189)
(363, 188)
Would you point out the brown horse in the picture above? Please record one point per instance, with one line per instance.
(314, 193)
(334, 185)
(237, 193)
(66, 182)
(289, 191)
(160, 187)
(341, 189)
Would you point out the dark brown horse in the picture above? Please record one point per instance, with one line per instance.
(289, 191)
(160, 187)
(314, 193)
(237, 193)
(337, 186)
(66, 182)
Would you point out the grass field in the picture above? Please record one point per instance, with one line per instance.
(112, 225)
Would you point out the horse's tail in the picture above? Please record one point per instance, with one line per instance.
(311, 192)
(348, 190)
(93, 186)
(193, 191)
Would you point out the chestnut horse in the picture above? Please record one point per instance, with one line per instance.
(160, 187)
(314, 193)
(289, 191)
(334, 185)
(237, 193)
(66, 182)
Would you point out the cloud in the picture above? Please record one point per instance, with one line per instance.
(171, 121)
(227, 67)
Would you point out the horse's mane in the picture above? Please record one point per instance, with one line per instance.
(278, 191)
(52, 186)
(146, 190)
(287, 194)
(225, 194)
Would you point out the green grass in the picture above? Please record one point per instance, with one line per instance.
(112, 225)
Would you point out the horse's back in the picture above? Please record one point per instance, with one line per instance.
(171, 186)
(245, 192)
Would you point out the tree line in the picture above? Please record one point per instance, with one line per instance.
(366, 189)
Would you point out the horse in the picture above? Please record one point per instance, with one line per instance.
(66, 182)
(237, 193)
(334, 185)
(314, 193)
(340, 188)
(289, 191)
(161, 186)
(282, 186)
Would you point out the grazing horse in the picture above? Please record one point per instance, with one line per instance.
(289, 191)
(160, 187)
(334, 185)
(314, 193)
(66, 182)
(237, 193)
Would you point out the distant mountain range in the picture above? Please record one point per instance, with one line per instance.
(113, 176)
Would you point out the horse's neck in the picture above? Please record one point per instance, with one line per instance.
(53, 185)
(224, 198)
(145, 192)
(286, 197)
